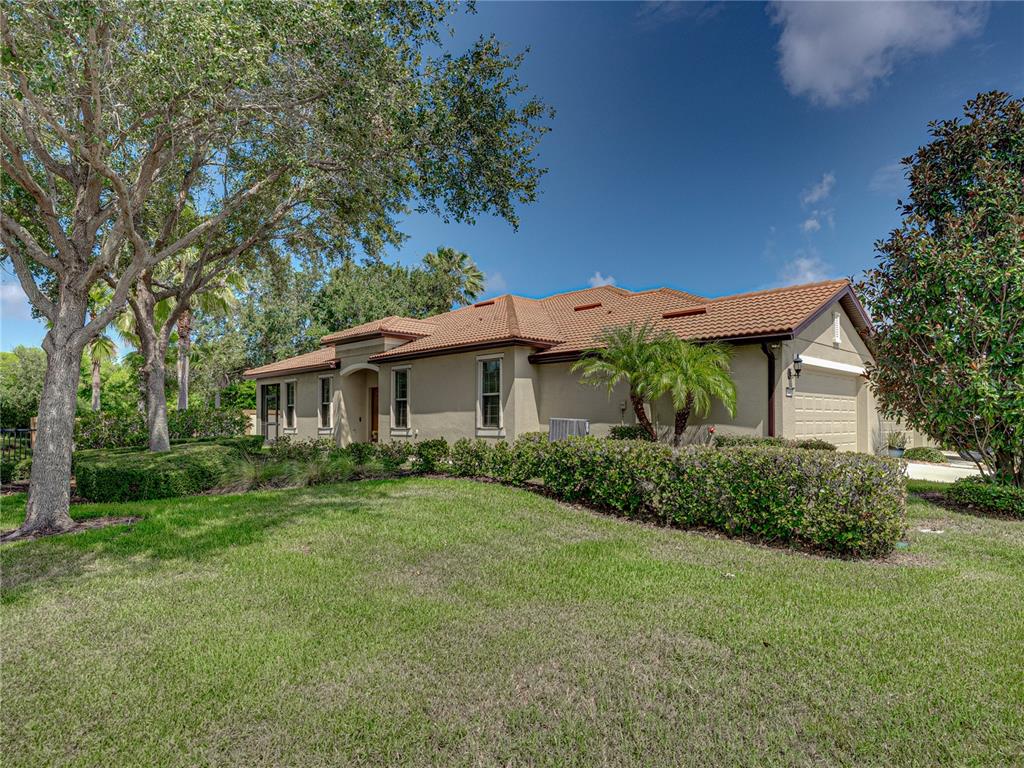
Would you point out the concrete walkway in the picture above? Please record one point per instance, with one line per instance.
(942, 473)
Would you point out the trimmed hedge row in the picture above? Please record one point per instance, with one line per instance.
(128, 430)
(988, 496)
(737, 441)
(128, 474)
(843, 503)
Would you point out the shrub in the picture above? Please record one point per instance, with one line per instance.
(23, 469)
(470, 458)
(99, 429)
(393, 455)
(284, 448)
(204, 423)
(844, 503)
(430, 455)
(129, 475)
(988, 496)
(361, 453)
(813, 444)
(7, 467)
(934, 455)
(615, 474)
(628, 432)
(247, 445)
(736, 441)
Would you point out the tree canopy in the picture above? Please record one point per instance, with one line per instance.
(947, 294)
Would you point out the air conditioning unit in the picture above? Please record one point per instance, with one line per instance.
(559, 429)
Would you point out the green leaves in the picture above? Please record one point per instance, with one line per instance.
(947, 295)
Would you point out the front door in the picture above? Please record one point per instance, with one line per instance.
(271, 410)
(374, 414)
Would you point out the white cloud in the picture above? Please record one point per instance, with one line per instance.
(834, 53)
(804, 267)
(14, 304)
(597, 279)
(811, 225)
(818, 192)
(889, 180)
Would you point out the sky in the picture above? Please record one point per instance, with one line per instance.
(712, 147)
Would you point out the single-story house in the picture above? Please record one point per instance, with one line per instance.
(501, 367)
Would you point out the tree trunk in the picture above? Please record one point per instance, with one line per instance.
(95, 384)
(641, 415)
(153, 346)
(682, 417)
(184, 349)
(49, 494)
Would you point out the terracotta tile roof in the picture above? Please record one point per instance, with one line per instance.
(392, 325)
(569, 323)
(318, 359)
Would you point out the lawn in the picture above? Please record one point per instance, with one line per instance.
(446, 622)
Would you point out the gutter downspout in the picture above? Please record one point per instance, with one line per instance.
(771, 388)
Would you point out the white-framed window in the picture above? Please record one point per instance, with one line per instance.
(837, 329)
(326, 412)
(289, 405)
(489, 392)
(400, 398)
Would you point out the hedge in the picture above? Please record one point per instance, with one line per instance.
(629, 432)
(128, 430)
(844, 503)
(737, 441)
(987, 496)
(127, 474)
(934, 455)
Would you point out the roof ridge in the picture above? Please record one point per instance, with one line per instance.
(783, 288)
(511, 317)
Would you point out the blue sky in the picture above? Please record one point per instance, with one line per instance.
(715, 148)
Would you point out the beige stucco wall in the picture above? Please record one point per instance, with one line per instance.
(443, 396)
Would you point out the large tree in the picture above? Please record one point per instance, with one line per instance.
(322, 119)
(947, 295)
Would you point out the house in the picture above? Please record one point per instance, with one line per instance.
(501, 368)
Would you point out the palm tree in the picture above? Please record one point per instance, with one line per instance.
(465, 278)
(693, 375)
(101, 350)
(629, 354)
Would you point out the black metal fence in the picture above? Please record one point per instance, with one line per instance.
(16, 444)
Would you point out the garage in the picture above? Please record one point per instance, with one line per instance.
(825, 407)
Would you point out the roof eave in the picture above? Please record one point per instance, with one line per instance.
(255, 373)
(516, 341)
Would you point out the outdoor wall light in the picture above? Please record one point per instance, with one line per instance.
(798, 365)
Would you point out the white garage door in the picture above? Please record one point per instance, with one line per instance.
(826, 408)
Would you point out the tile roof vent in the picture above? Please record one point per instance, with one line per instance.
(581, 307)
(484, 303)
(685, 312)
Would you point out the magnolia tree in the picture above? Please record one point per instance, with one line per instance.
(134, 131)
(947, 296)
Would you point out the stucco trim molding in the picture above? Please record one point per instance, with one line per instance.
(831, 365)
(359, 367)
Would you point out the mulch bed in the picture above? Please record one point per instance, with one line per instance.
(939, 499)
(82, 525)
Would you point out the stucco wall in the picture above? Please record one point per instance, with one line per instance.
(443, 396)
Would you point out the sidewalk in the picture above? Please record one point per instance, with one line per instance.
(942, 473)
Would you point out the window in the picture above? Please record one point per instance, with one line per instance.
(490, 393)
(289, 405)
(325, 402)
(400, 410)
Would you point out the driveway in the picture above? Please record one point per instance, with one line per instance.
(942, 473)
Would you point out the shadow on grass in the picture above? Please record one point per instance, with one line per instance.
(193, 529)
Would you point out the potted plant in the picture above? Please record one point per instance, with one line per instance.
(897, 443)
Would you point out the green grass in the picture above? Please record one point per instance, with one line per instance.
(445, 622)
